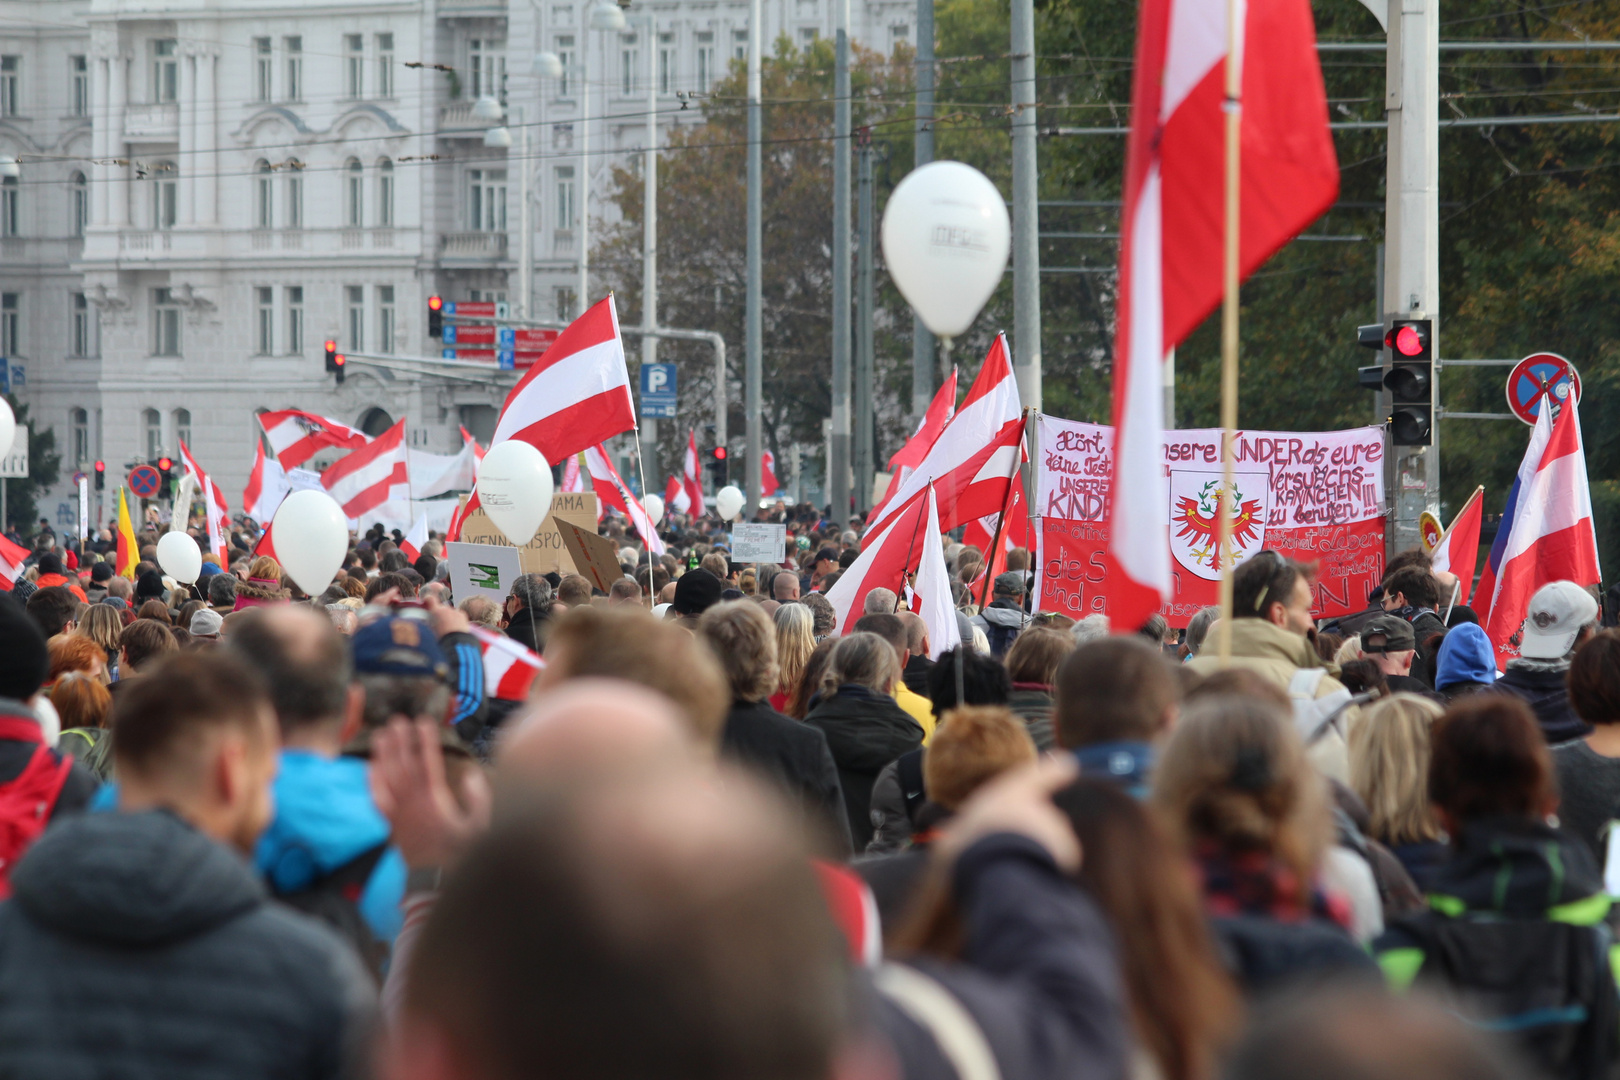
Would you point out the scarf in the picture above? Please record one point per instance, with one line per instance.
(1255, 883)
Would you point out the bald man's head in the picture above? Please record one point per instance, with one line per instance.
(303, 659)
(592, 727)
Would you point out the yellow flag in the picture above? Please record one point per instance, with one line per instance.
(129, 553)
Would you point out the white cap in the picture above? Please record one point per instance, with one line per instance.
(1557, 613)
(661, 611)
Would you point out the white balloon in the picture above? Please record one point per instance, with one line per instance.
(728, 500)
(654, 505)
(311, 538)
(945, 242)
(514, 487)
(8, 427)
(179, 556)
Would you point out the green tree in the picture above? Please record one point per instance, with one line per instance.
(44, 467)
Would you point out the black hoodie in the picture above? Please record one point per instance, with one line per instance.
(865, 731)
(135, 946)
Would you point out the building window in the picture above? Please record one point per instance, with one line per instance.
(739, 45)
(565, 197)
(165, 70)
(565, 54)
(182, 427)
(80, 419)
(165, 323)
(83, 341)
(486, 60)
(295, 319)
(705, 59)
(807, 37)
(562, 299)
(78, 203)
(385, 65)
(165, 195)
(355, 201)
(294, 48)
(627, 64)
(263, 62)
(899, 34)
(486, 200)
(385, 193)
(79, 71)
(10, 324)
(266, 324)
(295, 202)
(10, 84)
(385, 318)
(666, 63)
(9, 219)
(354, 63)
(152, 421)
(357, 317)
(263, 196)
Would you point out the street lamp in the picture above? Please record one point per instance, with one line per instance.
(497, 138)
(546, 65)
(606, 15)
(9, 168)
(487, 110)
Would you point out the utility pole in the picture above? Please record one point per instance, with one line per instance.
(838, 482)
(922, 340)
(865, 404)
(1026, 216)
(525, 232)
(1412, 232)
(582, 301)
(753, 314)
(649, 237)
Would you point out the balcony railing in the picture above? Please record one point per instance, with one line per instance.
(157, 121)
(472, 245)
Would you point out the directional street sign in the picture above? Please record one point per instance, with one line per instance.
(1538, 377)
(658, 391)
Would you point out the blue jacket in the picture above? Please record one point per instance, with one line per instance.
(325, 818)
(1466, 656)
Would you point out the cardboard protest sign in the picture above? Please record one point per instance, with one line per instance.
(593, 555)
(1313, 496)
(545, 553)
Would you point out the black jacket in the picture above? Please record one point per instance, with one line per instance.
(865, 731)
(1547, 694)
(916, 674)
(1039, 974)
(525, 627)
(137, 947)
(796, 756)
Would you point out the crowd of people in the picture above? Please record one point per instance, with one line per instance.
(246, 831)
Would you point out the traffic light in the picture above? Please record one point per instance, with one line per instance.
(1408, 376)
(165, 468)
(719, 467)
(101, 476)
(335, 361)
(435, 316)
(1410, 381)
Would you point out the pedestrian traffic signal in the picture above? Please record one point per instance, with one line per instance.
(435, 316)
(101, 476)
(165, 468)
(1410, 381)
(335, 361)
(719, 467)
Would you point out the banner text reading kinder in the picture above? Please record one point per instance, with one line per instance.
(1314, 496)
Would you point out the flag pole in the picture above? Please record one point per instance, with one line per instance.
(1232, 107)
(641, 478)
(1001, 520)
(912, 549)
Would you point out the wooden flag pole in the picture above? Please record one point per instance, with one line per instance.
(1233, 108)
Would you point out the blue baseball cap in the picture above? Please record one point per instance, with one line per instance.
(394, 645)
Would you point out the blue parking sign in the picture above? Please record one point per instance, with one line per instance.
(658, 391)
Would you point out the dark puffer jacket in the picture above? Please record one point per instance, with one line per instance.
(137, 947)
(865, 731)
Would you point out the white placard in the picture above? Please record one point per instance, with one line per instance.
(482, 570)
(15, 464)
(84, 507)
(751, 543)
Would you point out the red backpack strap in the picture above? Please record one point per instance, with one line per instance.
(21, 729)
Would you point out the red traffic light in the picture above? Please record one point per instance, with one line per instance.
(435, 303)
(165, 464)
(331, 346)
(101, 466)
(340, 359)
(719, 453)
(1407, 340)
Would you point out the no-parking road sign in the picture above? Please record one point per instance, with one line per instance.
(1537, 378)
(144, 481)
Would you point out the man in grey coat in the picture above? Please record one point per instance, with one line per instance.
(139, 943)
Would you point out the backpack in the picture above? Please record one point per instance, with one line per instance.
(335, 900)
(1314, 716)
(26, 802)
(96, 752)
(909, 771)
(1544, 985)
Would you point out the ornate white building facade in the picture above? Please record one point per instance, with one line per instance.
(208, 191)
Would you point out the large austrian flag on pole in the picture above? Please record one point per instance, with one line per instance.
(296, 436)
(1172, 227)
(219, 521)
(577, 394)
(976, 456)
(362, 480)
